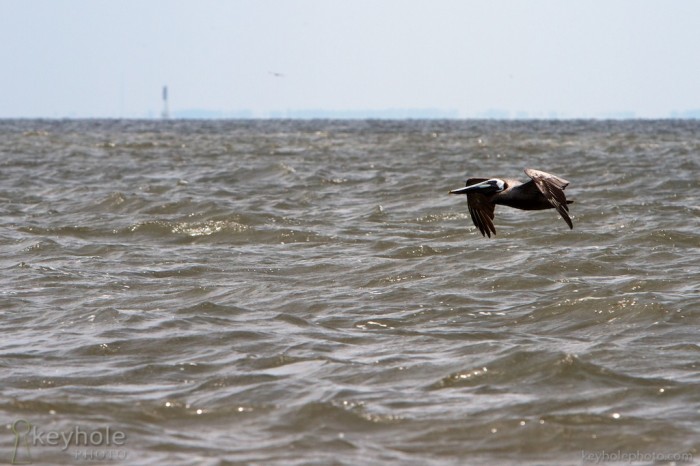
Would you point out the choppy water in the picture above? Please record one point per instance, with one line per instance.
(288, 293)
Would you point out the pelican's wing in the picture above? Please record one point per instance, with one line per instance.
(552, 187)
(481, 209)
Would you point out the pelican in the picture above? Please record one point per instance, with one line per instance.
(543, 191)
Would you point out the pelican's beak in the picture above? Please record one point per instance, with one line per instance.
(461, 190)
(488, 185)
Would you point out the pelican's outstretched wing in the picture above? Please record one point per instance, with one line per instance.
(552, 187)
(481, 209)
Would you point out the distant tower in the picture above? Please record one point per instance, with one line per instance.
(165, 114)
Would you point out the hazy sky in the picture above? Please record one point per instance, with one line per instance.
(586, 58)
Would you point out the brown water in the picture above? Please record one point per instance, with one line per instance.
(275, 292)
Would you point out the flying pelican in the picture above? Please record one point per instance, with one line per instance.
(543, 191)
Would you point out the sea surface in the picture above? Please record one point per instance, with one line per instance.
(307, 293)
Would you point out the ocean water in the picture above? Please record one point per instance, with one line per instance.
(306, 292)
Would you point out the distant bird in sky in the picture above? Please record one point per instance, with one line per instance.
(543, 191)
(276, 74)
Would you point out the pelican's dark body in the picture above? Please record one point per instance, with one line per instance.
(523, 196)
(543, 191)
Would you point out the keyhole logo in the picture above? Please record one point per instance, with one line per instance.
(21, 429)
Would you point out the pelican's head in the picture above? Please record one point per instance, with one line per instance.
(492, 186)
